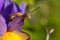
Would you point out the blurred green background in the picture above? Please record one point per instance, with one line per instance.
(48, 15)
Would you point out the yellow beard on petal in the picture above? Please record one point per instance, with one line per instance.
(11, 36)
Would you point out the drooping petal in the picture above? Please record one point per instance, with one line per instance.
(3, 26)
(11, 36)
(1, 4)
(23, 7)
(16, 23)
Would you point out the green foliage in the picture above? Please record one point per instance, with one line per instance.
(47, 16)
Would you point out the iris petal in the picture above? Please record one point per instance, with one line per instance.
(1, 4)
(23, 7)
(7, 2)
(11, 8)
(18, 8)
(7, 11)
(16, 23)
(11, 36)
(3, 26)
(14, 9)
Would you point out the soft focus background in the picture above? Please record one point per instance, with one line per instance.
(48, 15)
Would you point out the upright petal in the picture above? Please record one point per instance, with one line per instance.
(14, 9)
(1, 4)
(11, 8)
(7, 11)
(18, 8)
(23, 7)
(7, 2)
(3, 26)
(16, 23)
(10, 0)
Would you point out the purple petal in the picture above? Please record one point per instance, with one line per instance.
(16, 23)
(7, 11)
(7, 2)
(11, 8)
(1, 4)
(3, 26)
(23, 7)
(14, 9)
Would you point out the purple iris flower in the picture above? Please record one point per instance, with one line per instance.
(8, 7)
